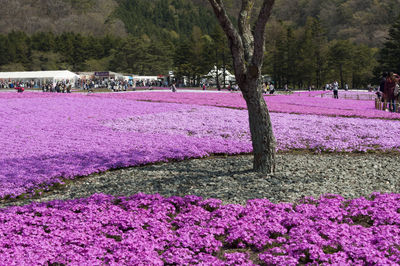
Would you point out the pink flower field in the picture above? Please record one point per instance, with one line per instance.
(152, 230)
(46, 138)
(49, 137)
(298, 103)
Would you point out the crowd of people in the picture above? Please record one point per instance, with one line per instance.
(118, 85)
(65, 86)
(334, 86)
(389, 91)
(12, 84)
(268, 87)
(59, 86)
(112, 85)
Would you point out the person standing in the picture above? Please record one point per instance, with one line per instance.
(379, 92)
(335, 87)
(388, 91)
(264, 88)
(267, 88)
(173, 87)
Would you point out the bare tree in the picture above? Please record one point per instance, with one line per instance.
(247, 44)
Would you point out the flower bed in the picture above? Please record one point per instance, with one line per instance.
(298, 103)
(46, 137)
(152, 230)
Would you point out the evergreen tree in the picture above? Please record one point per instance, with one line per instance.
(320, 51)
(291, 56)
(306, 66)
(4, 57)
(222, 55)
(390, 53)
(341, 54)
(364, 62)
(183, 60)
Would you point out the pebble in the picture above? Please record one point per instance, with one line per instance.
(231, 179)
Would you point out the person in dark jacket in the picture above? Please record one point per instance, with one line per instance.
(382, 86)
(388, 91)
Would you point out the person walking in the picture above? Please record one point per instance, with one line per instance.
(335, 87)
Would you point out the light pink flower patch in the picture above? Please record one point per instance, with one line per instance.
(48, 136)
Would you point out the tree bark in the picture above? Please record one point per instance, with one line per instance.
(262, 136)
(341, 75)
(247, 48)
(224, 69)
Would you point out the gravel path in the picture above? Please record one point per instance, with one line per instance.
(230, 178)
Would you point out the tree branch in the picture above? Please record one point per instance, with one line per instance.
(235, 42)
(245, 28)
(259, 32)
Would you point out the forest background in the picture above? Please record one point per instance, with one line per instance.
(309, 42)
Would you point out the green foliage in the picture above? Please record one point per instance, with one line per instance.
(361, 22)
(163, 19)
(83, 5)
(45, 61)
(310, 42)
(390, 53)
(13, 67)
(46, 51)
(142, 56)
(97, 64)
(304, 57)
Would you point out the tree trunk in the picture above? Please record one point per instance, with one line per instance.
(263, 140)
(247, 44)
(341, 76)
(224, 68)
(217, 72)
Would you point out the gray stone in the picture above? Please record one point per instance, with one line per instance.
(231, 179)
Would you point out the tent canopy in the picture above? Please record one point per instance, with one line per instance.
(145, 77)
(213, 72)
(56, 75)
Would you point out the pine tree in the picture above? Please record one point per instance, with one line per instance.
(341, 54)
(390, 53)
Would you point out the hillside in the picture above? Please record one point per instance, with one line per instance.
(362, 21)
(164, 18)
(57, 16)
(305, 38)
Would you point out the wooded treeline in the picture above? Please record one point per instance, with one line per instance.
(304, 57)
(310, 42)
(192, 56)
(298, 57)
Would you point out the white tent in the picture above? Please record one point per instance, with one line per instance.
(213, 72)
(145, 77)
(57, 75)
